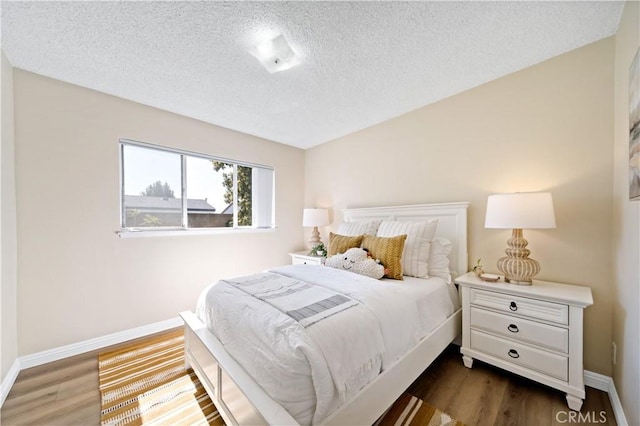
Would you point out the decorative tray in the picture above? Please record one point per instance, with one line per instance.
(489, 277)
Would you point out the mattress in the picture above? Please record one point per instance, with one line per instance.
(312, 371)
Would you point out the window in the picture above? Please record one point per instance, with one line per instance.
(168, 189)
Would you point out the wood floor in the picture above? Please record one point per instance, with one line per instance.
(66, 393)
(486, 395)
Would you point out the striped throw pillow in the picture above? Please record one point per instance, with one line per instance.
(388, 251)
(416, 249)
(358, 228)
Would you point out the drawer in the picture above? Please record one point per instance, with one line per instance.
(523, 355)
(513, 327)
(206, 366)
(237, 403)
(522, 306)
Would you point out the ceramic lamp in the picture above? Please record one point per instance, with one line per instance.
(518, 211)
(315, 218)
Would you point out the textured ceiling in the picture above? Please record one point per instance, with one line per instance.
(361, 63)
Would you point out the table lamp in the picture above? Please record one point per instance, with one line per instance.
(518, 211)
(315, 218)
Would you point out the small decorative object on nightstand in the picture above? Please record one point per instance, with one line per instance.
(478, 268)
(303, 257)
(319, 250)
(534, 331)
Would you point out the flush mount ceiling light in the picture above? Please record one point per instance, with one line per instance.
(275, 54)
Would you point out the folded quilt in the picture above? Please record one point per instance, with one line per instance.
(305, 303)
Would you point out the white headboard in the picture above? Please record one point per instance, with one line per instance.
(452, 224)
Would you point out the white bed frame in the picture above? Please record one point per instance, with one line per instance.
(241, 401)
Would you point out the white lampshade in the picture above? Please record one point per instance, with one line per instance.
(520, 210)
(315, 217)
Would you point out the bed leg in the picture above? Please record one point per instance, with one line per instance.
(467, 360)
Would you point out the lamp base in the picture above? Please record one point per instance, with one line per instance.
(315, 238)
(516, 266)
(511, 281)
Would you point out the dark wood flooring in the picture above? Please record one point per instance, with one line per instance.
(65, 392)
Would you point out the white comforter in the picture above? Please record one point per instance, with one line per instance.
(311, 371)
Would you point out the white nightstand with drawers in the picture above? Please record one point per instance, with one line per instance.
(303, 257)
(534, 331)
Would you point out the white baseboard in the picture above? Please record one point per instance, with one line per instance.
(9, 380)
(597, 380)
(616, 404)
(55, 354)
(606, 384)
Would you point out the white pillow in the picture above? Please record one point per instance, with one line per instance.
(439, 259)
(417, 246)
(351, 229)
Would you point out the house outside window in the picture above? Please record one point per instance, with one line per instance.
(168, 189)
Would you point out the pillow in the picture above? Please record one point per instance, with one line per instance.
(388, 251)
(342, 243)
(358, 228)
(439, 259)
(356, 260)
(416, 249)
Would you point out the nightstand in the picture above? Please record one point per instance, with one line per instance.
(303, 257)
(534, 331)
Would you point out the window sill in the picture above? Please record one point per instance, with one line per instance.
(125, 233)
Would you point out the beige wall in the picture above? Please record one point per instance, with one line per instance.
(77, 279)
(8, 260)
(548, 127)
(626, 228)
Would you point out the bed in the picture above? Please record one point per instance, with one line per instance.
(241, 400)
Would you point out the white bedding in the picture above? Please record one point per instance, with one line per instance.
(312, 371)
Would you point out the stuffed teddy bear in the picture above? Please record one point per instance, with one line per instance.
(357, 260)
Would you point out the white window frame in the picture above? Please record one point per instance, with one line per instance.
(129, 232)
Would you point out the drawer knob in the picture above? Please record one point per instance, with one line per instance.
(513, 328)
(513, 353)
(513, 306)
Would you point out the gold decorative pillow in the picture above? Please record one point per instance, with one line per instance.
(341, 243)
(389, 251)
(415, 257)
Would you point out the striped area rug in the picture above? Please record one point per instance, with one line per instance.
(411, 411)
(146, 384)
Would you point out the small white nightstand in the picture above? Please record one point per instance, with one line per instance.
(303, 257)
(534, 331)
